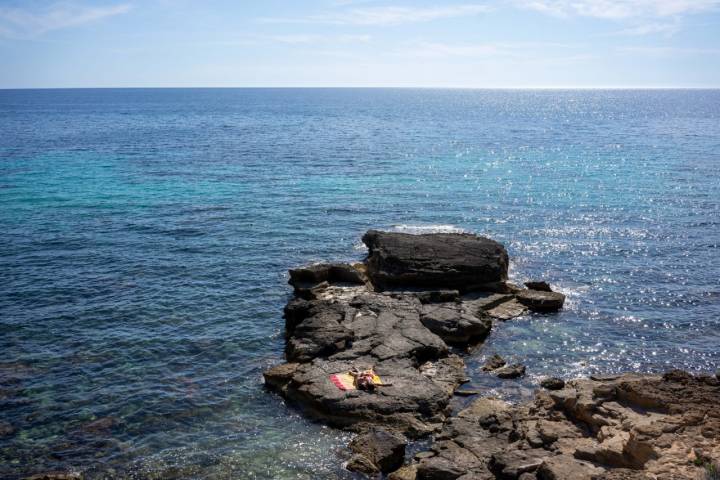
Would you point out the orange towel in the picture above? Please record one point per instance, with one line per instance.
(344, 381)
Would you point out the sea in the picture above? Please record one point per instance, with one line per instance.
(146, 234)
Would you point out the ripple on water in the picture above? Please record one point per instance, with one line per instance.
(143, 254)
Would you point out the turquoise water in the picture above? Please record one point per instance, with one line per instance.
(145, 236)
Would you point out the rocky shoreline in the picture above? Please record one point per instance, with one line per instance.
(407, 314)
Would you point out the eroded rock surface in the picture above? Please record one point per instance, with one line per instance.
(629, 427)
(455, 323)
(368, 330)
(396, 313)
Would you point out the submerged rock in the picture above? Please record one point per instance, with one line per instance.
(56, 476)
(447, 260)
(629, 427)
(494, 362)
(6, 429)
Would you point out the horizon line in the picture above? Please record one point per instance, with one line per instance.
(357, 87)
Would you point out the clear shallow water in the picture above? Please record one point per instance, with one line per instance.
(145, 235)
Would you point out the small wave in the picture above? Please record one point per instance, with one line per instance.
(418, 229)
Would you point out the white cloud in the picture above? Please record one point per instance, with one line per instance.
(666, 29)
(387, 15)
(620, 9)
(299, 39)
(436, 49)
(313, 39)
(507, 53)
(669, 51)
(21, 22)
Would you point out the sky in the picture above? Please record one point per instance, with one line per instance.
(360, 43)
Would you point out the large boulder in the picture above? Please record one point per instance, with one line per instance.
(383, 448)
(540, 301)
(447, 260)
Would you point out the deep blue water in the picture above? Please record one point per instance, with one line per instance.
(145, 236)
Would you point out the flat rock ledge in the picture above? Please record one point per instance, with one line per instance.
(628, 427)
(397, 312)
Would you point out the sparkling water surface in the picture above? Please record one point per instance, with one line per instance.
(145, 237)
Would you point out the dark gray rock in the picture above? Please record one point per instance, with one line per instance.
(321, 334)
(304, 277)
(467, 392)
(384, 449)
(438, 296)
(363, 331)
(493, 363)
(454, 324)
(296, 311)
(539, 301)
(541, 286)
(445, 260)
(553, 383)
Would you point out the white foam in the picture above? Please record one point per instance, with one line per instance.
(418, 229)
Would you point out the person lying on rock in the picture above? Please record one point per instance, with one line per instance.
(364, 379)
(367, 379)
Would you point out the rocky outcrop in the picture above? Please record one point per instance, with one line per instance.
(399, 313)
(444, 260)
(361, 331)
(630, 427)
